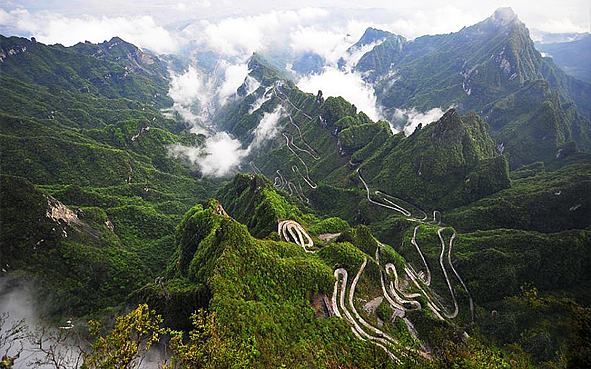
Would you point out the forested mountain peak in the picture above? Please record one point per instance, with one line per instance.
(118, 50)
(373, 35)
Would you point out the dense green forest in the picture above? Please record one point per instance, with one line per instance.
(346, 245)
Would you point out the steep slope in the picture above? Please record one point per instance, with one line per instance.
(87, 131)
(262, 292)
(277, 303)
(294, 285)
(316, 144)
(492, 63)
(451, 161)
(378, 62)
(82, 263)
(532, 125)
(337, 161)
(253, 201)
(381, 43)
(537, 200)
(469, 68)
(266, 294)
(73, 69)
(130, 56)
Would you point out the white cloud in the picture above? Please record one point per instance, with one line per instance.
(239, 37)
(197, 95)
(251, 84)
(326, 43)
(334, 82)
(436, 20)
(312, 13)
(260, 101)
(234, 77)
(410, 19)
(193, 97)
(187, 87)
(218, 158)
(5, 17)
(331, 39)
(181, 6)
(267, 127)
(562, 25)
(352, 57)
(51, 28)
(187, 115)
(410, 118)
(222, 154)
(232, 36)
(203, 3)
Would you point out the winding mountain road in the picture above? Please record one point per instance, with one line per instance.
(458, 276)
(311, 151)
(451, 291)
(278, 91)
(379, 341)
(297, 233)
(413, 241)
(280, 182)
(393, 292)
(394, 207)
(296, 169)
(254, 167)
(427, 276)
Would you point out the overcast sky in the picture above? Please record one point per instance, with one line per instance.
(155, 23)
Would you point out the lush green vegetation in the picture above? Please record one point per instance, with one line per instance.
(491, 68)
(261, 295)
(93, 205)
(87, 131)
(541, 201)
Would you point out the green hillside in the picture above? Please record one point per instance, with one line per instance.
(86, 132)
(464, 244)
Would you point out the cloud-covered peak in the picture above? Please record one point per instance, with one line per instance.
(504, 16)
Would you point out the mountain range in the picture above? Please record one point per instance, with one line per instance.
(346, 242)
(573, 55)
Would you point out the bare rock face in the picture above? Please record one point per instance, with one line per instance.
(371, 306)
(110, 225)
(59, 212)
(322, 306)
(68, 223)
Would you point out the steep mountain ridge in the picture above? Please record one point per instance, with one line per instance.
(468, 68)
(319, 142)
(73, 69)
(452, 161)
(532, 125)
(488, 63)
(120, 51)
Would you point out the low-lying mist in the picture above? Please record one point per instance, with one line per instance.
(28, 336)
(407, 120)
(222, 154)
